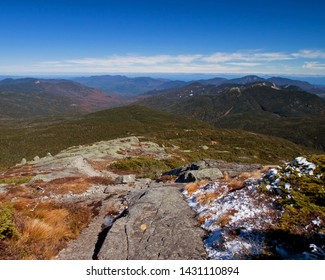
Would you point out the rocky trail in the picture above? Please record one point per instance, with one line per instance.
(154, 223)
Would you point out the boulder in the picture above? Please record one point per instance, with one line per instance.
(125, 179)
(210, 174)
(116, 189)
(198, 165)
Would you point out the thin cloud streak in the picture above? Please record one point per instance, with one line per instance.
(314, 65)
(299, 62)
(248, 56)
(310, 54)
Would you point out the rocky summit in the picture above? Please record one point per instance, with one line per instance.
(94, 202)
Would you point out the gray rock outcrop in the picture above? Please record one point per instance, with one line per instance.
(209, 170)
(158, 225)
(210, 174)
(125, 179)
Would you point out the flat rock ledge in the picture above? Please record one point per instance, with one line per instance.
(158, 224)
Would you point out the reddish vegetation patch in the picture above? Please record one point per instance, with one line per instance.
(100, 180)
(101, 165)
(65, 185)
(23, 171)
(21, 192)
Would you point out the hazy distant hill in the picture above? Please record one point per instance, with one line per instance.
(246, 80)
(319, 90)
(31, 97)
(126, 86)
(261, 107)
(131, 87)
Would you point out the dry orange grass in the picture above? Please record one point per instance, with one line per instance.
(208, 198)
(238, 183)
(226, 176)
(225, 218)
(75, 185)
(100, 180)
(193, 187)
(43, 228)
(244, 176)
(203, 217)
(235, 184)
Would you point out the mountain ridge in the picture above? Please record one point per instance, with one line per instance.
(30, 97)
(259, 107)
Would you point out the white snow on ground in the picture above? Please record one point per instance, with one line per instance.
(237, 219)
(234, 220)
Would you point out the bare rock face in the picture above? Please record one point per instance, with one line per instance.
(158, 225)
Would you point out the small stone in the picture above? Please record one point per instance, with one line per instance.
(23, 161)
(143, 227)
(205, 148)
(36, 158)
(125, 179)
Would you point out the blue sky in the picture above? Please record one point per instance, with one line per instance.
(104, 36)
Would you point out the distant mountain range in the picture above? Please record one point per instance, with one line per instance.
(126, 86)
(259, 106)
(30, 97)
(275, 106)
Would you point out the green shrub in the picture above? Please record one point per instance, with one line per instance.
(146, 166)
(7, 226)
(18, 181)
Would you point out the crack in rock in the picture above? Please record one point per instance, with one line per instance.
(109, 220)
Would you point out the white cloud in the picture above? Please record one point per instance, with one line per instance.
(312, 54)
(244, 64)
(251, 61)
(314, 65)
(118, 60)
(248, 56)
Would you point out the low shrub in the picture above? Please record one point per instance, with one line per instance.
(7, 226)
